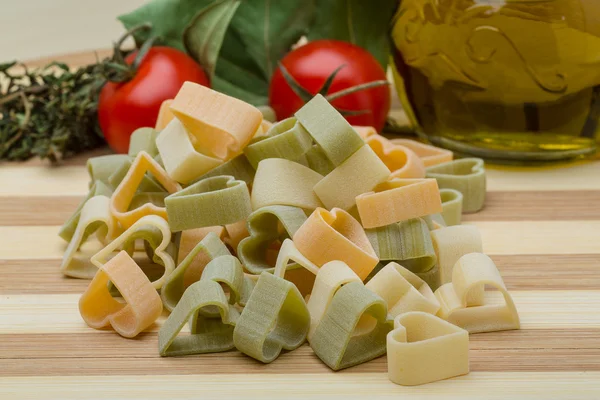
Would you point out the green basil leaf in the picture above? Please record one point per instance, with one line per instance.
(204, 35)
(237, 74)
(357, 21)
(269, 28)
(169, 19)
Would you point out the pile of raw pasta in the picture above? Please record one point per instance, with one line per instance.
(261, 236)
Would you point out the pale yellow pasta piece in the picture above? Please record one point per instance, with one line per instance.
(402, 161)
(124, 193)
(430, 155)
(95, 216)
(165, 115)
(335, 235)
(160, 252)
(222, 125)
(181, 160)
(451, 243)
(463, 301)
(398, 200)
(283, 182)
(423, 348)
(289, 253)
(360, 173)
(330, 278)
(403, 291)
(142, 304)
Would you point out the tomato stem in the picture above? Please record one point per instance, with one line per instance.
(354, 89)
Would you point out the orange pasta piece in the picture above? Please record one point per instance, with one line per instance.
(222, 125)
(401, 161)
(123, 194)
(398, 200)
(336, 235)
(430, 155)
(165, 115)
(142, 303)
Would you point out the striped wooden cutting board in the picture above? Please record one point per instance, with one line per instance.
(541, 227)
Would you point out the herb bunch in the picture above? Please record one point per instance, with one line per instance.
(49, 112)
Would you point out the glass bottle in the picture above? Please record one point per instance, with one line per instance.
(510, 80)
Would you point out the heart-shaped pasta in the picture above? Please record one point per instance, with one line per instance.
(423, 348)
(467, 176)
(336, 235)
(403, 291)
(197, 259)
(400, 160)
(353, 328)
(397, 200)
(463, 302)
(274, 318)
(219, 200)
(124, 193)
(263, 225)
(142, 303)
(149, 227)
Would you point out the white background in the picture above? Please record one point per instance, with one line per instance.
(40, 28)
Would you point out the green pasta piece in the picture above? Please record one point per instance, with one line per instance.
(141, 198)
(148, 183)
(329, 129)
(318, 161)
(275, 318)
(67, 230)
(408, 243)
(339, 340)
(208, 335)
(451, 206)
(219, 200)
(263, 225)
(238, 167)
(211, 247)
(227, 271)
(268, 113)
(102, 167)
(287, 139)
(467, 176)
(143, 139)
(152, 237)
(434, 221)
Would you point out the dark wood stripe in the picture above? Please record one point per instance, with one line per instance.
(539, 206)
(110, 354)
(523, 272)
(500, 206)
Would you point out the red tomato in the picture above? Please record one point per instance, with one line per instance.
(124, 107)
(311, 64)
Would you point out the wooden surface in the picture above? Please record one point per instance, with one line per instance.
(541, 226)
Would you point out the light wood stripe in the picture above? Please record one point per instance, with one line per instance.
(72, 180)
(500, 206)
(556, 309)
(499, 238)
(347, 385)
(43, 181)
(526, 272)
(577, 176)
(539, 237)
(524, 350)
